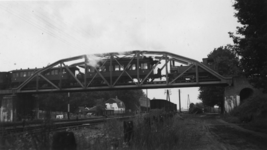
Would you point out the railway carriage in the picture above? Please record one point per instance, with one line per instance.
(119, 71)
(189, 72)
(163, 104)
(123, 72)
(5, 80)
(56, 75)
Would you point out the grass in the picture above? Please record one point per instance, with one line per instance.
(28, 140)
(252, 114)
(173, 133)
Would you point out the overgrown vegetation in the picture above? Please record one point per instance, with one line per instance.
(28, 139)
(196, 109)
(252, 113)
(172, 133)
(175, 132)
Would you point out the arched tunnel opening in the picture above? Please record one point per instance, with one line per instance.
(245, 94)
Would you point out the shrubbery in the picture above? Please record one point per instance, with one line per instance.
(195, 109)
(171, 133)
(251, 109)
(253, 112)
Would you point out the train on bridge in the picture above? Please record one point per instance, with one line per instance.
(123, 71)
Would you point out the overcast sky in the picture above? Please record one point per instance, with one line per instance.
(34, 34)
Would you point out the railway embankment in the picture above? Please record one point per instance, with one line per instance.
(183, 131)
(149, 132)
(160, 132)
(251, 114)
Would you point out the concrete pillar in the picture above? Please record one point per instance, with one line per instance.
(232, 97)
(8, 108)
(229, 98)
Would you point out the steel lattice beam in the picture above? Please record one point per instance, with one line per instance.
(126, 78)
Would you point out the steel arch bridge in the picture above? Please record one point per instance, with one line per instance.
(126, 70)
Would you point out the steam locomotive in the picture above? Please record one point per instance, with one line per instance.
(124, 71)
(117, 67)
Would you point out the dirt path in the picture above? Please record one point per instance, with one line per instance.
(231, 136)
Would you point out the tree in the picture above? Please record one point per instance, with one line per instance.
(59, 101)
(53, 102)
(225, 61)
(100, 106)
(251, 40)
(212, 95)
(226, 64)
(195, 109)
(129, 97)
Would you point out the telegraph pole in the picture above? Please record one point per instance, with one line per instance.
(188, 102)
(168, 93)
(146, 101)
(179, 93)
(68, 105)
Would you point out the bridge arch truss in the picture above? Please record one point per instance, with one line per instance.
(126, 70)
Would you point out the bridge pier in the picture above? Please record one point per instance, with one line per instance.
(239, 92)
(8, 108)
(18, 107)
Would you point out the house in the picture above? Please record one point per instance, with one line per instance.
(115, 104)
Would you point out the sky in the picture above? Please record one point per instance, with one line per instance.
(38, 33)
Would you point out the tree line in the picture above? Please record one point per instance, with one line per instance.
(60, 101)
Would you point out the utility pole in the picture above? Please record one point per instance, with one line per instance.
(188, 102)
(68, 105)
(179, 93)
(147, 100)
(168, 93)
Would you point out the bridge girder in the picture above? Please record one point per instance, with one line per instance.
(115, 70)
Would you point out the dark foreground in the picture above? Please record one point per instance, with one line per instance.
(182, 131)
(231, 136)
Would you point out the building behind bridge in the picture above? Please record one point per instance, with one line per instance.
(116, 105)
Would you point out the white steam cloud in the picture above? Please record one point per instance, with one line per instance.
(93, 60)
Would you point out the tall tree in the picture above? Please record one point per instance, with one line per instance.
(59, 101)
(251, 40)
(226, 64)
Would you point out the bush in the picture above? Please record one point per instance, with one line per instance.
(29, 139)
(252, 108)
(172, 133)
(195, 109)
(252, 113)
